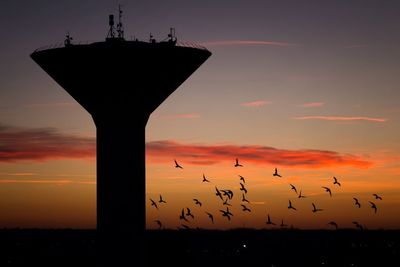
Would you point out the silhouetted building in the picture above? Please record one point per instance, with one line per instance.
(120, 83)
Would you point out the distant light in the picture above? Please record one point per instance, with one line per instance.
(244, 246)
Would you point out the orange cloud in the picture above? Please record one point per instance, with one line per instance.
(58, 182)
(257, 103)
(245, 42)
(336, 118)
(166, 151)
(312, 105)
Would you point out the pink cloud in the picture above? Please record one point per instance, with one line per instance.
(245, 42)
(338, 118)
(196, 154)
(257, 103)
(183, 116)
(312, 104)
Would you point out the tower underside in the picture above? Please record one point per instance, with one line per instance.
(120, 84)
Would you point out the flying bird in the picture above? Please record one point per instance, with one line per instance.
(177, 165)
(189, 213)
(315, 208)
(377, 197)
(242, 179)
(283, 225)
(153, 203)
(227, 193)
(218, 194)
(334, 224)
(245, 208)
(162, 200)
(335, 181)
(373, 206)
(197, 202)
(237, 163)
(276, 173)
(269, 221)
(357, 203)
(301, 196)
(226, 213)
(293, 188)
(205, 179)
(242, 188)
(290, 206)
(182, 216)
(226, 203)
(159, 223)
(359, 226)
(210, 216)
(244, 199)
(327, 189)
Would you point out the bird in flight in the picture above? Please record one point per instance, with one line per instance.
(293, 188)
(210, 216)
(359, 226)
(153, 203)
(334, 224)
(242, 179)
(177, 165)
(226, 213)
(244, 199)
(283, 225)
(335, 181)
(377, 197)
(290, 206)
(245, 208)
(242, 188)
(182, 216)
(159, 223)
(189, 213)
(162, 200)
(301, 196)
(197, 202)
(327, 189)
(373, 206)
(276, 173)
(237, 163)
(226, 203)
(269, 221)
(357, 203)
(218, 194)
(315, 208)
(205, 179)
(227, 193)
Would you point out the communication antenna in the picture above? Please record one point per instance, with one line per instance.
(68, 39)
(120, 27)
(111, 31)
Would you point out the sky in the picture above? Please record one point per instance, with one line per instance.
(308, 87)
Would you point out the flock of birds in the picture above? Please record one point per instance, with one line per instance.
(226, 195)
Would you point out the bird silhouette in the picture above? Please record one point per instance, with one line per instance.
(226, 203)
(269, 221)
(245, 208)
(276, 173)
(226, 213)
(182, 216)
(301, 196)
(327, 189)
(293, 188)
(162, 200)
(244, 199)
(242, 179)
(283, 225)
(177, 165)
(242, 188)
(218, 194)
(315, 208)
(290, 206)
(189, 213)
(237, 163)
(205, 179)
(335, 181)
(210, 216)
(334, 224)
(227, 193)
(359, 226)
(197, 202)
(373, 206)
(159, 223)
(377, 197)
(153, 203)
(357, 202)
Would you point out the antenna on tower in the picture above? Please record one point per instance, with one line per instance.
(111, 31)
(120, 27)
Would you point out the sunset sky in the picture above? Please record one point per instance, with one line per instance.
(308, 87)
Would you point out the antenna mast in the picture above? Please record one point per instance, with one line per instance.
(120, 27)
(111, 31)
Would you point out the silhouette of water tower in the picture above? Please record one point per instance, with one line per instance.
(120, 83)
